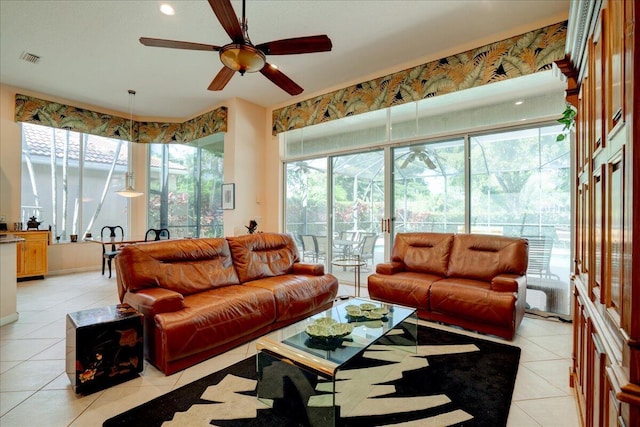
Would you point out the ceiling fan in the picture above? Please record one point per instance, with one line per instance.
(243, 56)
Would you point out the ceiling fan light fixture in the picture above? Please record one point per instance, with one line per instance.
(243, 58)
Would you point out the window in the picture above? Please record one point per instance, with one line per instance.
(520, 183)
(69, 180)
(185, 183)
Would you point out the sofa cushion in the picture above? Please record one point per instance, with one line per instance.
(482, 257)
(298, 295)
(213, 318)
(256, 256)
(186, 266)
(423, 252)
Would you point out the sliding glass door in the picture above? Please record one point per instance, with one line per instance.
(306, 205)
(358, 189)
(520, 186)
(509, 182)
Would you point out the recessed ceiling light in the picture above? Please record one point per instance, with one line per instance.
(519, 102)
(167, 9)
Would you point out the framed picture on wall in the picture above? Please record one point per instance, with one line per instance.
(228, 196)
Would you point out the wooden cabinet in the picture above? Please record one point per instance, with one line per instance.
(32, 259)
(603, 60)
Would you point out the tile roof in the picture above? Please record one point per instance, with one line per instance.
(98, 149)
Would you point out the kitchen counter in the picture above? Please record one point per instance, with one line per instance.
(8, 281)
(9, 238)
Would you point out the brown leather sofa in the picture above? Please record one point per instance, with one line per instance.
(201, 297)
(474, 281)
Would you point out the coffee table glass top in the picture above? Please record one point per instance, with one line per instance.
(370, 321)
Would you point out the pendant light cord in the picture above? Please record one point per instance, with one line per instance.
(132, 94)
(132, 97)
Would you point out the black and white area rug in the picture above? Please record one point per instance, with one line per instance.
(452, 380)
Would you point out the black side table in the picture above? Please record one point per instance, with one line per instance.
(104, 347)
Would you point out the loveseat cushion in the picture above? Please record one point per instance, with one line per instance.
(185, 266)
(482, 257)
(472, 300)
(212, 318)
(423, 252)
(261, 255)
(405, 288)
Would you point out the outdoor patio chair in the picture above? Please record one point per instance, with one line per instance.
(309, 247)
(367, 247)
(540, 256)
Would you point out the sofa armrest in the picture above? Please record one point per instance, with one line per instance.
(508, 282)
(310, 269)
(392, 267)
(151, 301)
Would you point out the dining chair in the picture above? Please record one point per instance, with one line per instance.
(111, 236)
(158, 234)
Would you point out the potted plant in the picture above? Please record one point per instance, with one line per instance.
(568, 119)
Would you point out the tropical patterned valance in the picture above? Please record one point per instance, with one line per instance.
(514, 57)
(56, 115)
(204, 125)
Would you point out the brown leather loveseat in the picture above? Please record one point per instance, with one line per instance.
(201, 297)
(474, 281)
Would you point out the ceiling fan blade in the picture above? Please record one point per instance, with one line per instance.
(228, 19)
(281, 80)
(309, 44)
(221, 79)
(175, 44)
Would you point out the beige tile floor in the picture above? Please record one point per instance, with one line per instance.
(35, 391)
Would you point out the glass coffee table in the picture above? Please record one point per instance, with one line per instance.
(300, 362)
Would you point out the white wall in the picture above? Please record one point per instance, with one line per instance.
(10, 156)
(245, 165)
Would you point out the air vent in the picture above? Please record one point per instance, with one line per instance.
(30, 57)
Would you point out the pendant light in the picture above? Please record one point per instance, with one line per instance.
(128, 190)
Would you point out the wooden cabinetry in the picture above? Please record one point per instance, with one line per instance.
(32, 254)
(602, 63)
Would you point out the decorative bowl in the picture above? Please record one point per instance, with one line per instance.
(373, 315)
(354, 311)
(319, 331)
(325, 321)
(366, 311)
